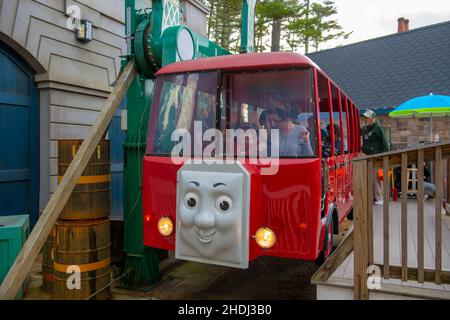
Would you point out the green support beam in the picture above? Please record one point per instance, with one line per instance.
(141, 264)
(152, 40)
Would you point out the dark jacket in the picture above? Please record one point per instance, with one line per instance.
(374, 139)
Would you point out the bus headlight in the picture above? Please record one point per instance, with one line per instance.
(165, 226)
(265, 238)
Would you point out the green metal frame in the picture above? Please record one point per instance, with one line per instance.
(152, 41)
(248, 27)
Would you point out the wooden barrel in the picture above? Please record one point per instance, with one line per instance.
(90, 198)
(84, 244)
(47, 265)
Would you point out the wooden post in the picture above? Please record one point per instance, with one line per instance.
(420, 216)
(38, 236)
(448, 187)
(370, 177)
(438, 199)
(386, 216)
(404, 217)
(361, 292)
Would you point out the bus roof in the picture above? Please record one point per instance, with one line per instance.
(249, 61)
(241, 62)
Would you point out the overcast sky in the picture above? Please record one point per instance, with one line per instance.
(369, 19)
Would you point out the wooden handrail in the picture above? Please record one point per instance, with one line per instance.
(360, 239)
(343, 250)
(364, 169)
(445, 146)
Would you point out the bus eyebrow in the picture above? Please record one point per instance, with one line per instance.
(219, 184)
(195, 183)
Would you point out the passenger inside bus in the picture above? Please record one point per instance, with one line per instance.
(326, 145)
(337, 138)
(294, 139)
(265, 120)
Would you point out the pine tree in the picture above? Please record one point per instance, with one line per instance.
(224, 23)
(275, 12)
(279, 23)
(320, 28)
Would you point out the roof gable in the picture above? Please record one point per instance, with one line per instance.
(390, 70)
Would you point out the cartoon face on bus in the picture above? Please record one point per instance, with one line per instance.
(212, 214)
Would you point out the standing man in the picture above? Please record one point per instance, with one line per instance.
(374, 141)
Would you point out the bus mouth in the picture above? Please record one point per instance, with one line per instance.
(205, 236)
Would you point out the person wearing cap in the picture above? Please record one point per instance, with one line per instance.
(374, 141)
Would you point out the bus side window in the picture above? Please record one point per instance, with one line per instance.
(344, 123)
(336, 121)
(350, 126)
(358, 126)
(324, 116)
(355, 128)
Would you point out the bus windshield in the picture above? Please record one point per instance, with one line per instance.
(181, 100)
(275, 100)
(280, 100)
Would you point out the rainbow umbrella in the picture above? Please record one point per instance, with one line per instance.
(431, 106)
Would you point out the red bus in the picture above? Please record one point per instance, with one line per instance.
(231, 212)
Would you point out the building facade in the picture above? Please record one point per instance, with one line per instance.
(53, 87)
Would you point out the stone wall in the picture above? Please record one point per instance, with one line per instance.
(410, 132)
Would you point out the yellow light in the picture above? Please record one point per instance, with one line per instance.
(165, 226)
(265, 238)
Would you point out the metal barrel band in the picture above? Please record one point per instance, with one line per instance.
(93, 191)
(85, 251)
(83, 267)
(91, 179)
(83, 223)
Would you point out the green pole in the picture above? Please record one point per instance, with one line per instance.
(160, 47)
(141, 263)
(248, 26)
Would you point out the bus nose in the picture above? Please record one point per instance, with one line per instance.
(205, 220)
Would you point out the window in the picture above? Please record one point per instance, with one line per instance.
(269, 100)
(350, 126)
(278, 99)
(325, 118)
(344, 121)
(179, 101)
(358, 126)
(336, 121)
(355, 128)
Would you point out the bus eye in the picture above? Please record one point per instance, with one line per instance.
(224, 203)
(191, 200)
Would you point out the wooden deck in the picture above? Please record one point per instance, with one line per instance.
(344, 273)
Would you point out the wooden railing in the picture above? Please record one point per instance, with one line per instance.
(364, 169)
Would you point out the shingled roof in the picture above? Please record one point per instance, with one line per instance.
(387, 71)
